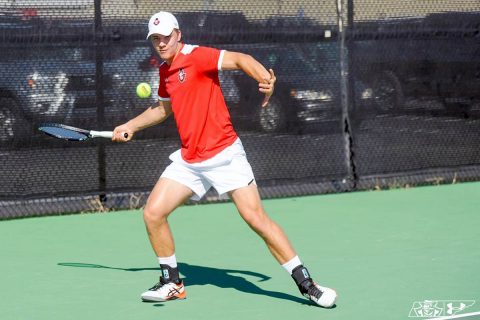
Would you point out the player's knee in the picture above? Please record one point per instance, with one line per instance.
(153, 215)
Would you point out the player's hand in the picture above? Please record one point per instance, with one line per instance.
(122, 133)
(267, 87)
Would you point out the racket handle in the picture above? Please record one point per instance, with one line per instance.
(105, 134)
(101, 134)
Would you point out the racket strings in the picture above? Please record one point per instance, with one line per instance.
(63, 133)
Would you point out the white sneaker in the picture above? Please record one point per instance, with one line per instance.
(164, 292)
(323, 296)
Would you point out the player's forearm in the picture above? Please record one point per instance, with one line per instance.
(150, 117)
(254, 69)
(246, 63)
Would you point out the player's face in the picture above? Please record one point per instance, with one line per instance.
(166, 46)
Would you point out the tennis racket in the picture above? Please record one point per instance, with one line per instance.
(62, 131)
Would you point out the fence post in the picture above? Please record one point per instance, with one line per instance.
(99, 99)
(346, 87)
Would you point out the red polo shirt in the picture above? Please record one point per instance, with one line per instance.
(191, 84)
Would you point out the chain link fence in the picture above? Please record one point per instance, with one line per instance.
(370, 94)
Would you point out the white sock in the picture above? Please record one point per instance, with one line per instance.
(292, 264)
(170, 261)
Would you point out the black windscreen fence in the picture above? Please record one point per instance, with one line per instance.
(370, 94)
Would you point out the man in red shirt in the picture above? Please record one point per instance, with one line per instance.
(211, 154)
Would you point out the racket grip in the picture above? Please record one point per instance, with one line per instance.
(101, 134)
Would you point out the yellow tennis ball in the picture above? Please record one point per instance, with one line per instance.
(144, 90)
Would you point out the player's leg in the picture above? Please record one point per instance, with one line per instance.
(248, 203)
(165, 197)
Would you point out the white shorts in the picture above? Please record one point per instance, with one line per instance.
(226, 171)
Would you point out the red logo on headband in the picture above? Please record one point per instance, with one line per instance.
(156, 22)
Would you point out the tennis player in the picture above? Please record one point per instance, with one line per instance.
(211, 154)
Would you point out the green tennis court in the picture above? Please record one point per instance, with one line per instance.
(382, 251)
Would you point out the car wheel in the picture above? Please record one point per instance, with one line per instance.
(387, 92)
(13, 127)
(272, 118)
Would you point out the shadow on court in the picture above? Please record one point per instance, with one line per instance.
(200, 275)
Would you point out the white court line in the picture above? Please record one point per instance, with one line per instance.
(457, 316)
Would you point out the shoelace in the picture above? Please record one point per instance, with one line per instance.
(308, 287)
(314, 291)
(156, 287)
(160, 284)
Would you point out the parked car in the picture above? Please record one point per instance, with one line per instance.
(59, 83)
(306, 91)
(52, 84)
(431, 57)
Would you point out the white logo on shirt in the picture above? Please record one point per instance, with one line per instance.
(181, 75)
